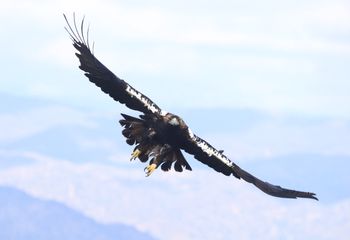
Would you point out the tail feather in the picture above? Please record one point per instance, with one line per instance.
(180, 158)
(166, 166)
(134, 129)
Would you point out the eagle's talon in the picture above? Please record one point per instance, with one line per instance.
(135, 154)
(150, 168)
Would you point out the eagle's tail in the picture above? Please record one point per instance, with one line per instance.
(135, 129)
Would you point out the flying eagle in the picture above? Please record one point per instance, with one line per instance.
(159, 136)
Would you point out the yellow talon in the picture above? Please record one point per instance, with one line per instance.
(135, 154)
(150, 168)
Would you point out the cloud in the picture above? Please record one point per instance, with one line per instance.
(282, 137)
(290, 59)
(22, 124)
(208, 204)
(159, 23)
(93, 133)
(332, 16)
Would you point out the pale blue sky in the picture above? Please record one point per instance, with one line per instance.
(267, 81)
(271, 56)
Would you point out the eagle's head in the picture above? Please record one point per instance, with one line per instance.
(175, 121)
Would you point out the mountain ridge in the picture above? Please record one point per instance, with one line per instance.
(25, 217)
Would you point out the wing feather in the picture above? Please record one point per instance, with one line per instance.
(100, 75)
(215, 159)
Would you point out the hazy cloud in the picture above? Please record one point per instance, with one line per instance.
(209, 205)
(21, 124)
(285, 57)
(274, 138)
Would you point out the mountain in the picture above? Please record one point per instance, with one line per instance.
(28, 218)
(296, 151)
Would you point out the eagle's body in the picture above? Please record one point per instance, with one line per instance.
(159, 136)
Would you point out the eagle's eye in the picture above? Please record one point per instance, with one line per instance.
(174, 121)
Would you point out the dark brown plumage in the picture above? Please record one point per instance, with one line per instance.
(159, 136)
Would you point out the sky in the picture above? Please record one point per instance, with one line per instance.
(267, 81)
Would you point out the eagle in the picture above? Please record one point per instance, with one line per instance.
(159, 136)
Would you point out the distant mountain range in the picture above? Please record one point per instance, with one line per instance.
(23, 217)
(303, 169)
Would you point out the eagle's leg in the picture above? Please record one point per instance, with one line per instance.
(153, 164)
(150, 168)
(135, 154)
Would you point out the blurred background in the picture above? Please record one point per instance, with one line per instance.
(267, 81)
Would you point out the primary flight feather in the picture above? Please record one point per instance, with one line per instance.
(159, 136)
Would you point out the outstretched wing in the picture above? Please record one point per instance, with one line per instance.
(100, 75)
(215, 159)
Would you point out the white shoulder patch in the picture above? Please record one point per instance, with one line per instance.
(190, 133)
(163, 113)
(210, 150)
(148, 103)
